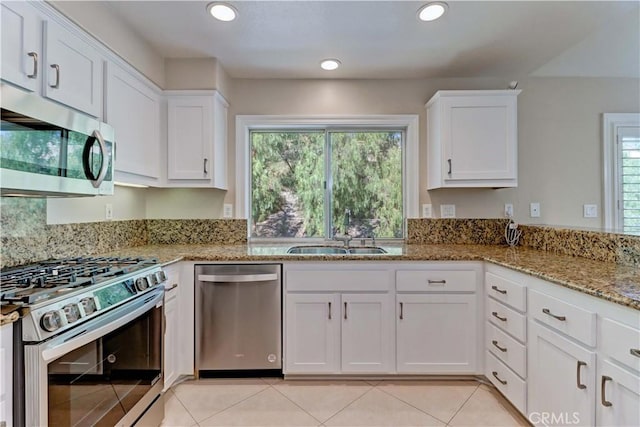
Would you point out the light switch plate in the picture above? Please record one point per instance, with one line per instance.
(447, 211)
(508, 210)
(590, 211)
(427, 210)
(227, 211)
(534, 210)
(108, 211)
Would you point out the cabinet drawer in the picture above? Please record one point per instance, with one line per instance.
(505, 380)
(337, 281)
(506, 291)
(435, 281)
(620, 342)
(575, 322)
(507, 319)
(508, 350)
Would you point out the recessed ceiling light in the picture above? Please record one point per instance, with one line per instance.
(330, 64)
(432, 11)
(222, 11)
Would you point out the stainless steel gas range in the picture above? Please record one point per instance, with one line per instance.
(89, 351)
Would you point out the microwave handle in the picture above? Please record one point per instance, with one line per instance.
(104, 164)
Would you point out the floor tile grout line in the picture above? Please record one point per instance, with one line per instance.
(181, 404)
(415, 407)
(217, 412)
(465, 402)
(355, 400)
(304, 410)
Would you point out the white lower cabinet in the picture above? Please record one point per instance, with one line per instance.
(436, 334)
(6, 375)
(172, 327)
(313, 333)
(618, 396)
(366, 335)
(562, 379)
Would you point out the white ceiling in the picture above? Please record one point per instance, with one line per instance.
(384, 39)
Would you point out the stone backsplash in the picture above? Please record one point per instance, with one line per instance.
(197, 231)
(456, 231)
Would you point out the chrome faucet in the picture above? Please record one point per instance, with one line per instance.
(346, 237)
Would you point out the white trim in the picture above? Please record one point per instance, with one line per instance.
(611, 180)
(244, 123)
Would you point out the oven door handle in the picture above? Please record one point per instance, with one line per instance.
(101, 326)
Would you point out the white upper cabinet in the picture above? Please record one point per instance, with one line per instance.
(197, 139)
(72, 70)
(21, 53)
(472, 139)
(132, 107)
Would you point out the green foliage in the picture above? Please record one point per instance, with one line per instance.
(288, 174)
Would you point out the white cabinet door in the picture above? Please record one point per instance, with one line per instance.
(133, 109)
(72, 70)
(312, 333)
(436, 334)
(561, 380)
(21, 55)
(618, 396)
(472, 139)
(219, 163)
(190, 133)
(367, 344)
(171, 332)
(6, 374)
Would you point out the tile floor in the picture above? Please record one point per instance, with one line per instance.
(275, 402)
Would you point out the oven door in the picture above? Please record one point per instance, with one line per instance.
(106, 372)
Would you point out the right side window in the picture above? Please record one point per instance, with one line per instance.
(628, 142)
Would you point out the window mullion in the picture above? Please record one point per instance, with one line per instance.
(328, 184)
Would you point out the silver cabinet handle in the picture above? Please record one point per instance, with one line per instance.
(34, 74)
(436, 282)
(634, 352)
(579, 365)
(204, 167)
(495, 375)
(345, 310)
(56, 67)
(401, 311)
(238, 278)
(549, 313)
(329, 310)
(497, 316)
(172, 287)
(603, 386)
(502, 349)
(497, 289)
(449, 161)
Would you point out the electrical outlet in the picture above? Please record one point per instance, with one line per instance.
(447, 211)
(590, 211)
(108, 211)
(427, 211)
(227, 211)
(508, 210)
(534, 210)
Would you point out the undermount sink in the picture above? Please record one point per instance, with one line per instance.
(335, 250)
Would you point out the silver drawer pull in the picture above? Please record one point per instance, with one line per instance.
(495, 374)
(603, 386)
(579, 365)
(329, 310)
(345, 310)
(34, 74)
(502, 349)
(549, 313)
(56, 67)
(436, 282)
(635, 352)
(401, 311)
(502, 291)
(497, 316)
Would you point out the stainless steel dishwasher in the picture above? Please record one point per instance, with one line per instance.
(238, 319)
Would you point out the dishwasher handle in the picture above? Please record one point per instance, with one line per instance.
(237, 278)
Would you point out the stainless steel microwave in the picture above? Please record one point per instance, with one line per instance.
(47, 149)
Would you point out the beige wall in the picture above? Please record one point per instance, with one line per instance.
(559, 134)
(177, 203)
(98, 19)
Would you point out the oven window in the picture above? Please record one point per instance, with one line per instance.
(98, 383)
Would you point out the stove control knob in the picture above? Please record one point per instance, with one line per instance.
(71, 312)
(51, 321)
(89, 305)
(142, 283)
(162, 277)
(153, 280)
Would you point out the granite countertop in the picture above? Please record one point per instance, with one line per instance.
(616, 283)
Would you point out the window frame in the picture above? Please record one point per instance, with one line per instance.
(246, 123)
(612, 193)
